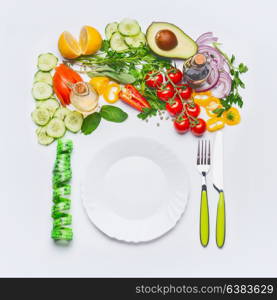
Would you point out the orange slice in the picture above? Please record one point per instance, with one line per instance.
(68, 46)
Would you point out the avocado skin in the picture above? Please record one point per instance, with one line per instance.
(185, 48)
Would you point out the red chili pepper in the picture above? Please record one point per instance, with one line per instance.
(133, 97)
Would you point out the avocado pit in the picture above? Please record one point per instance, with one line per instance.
(166, 39)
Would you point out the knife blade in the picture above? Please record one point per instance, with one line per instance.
(218, 162)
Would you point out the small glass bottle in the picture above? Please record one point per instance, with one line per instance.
(196, 70)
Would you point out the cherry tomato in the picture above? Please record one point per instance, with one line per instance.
(175, 75)
(174, 107)
(155, 80)
(185, 91)
(165, 92)
(193, 109)
(199, 128)
(182, 124)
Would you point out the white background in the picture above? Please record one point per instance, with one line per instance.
(247, 29)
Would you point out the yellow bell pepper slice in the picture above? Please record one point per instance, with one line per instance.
(231, 116)
(99, 83)
(111, 93)
(202, 98)
(213, 104)
(215, 124)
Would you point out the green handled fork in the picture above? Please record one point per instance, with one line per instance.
(203, 166)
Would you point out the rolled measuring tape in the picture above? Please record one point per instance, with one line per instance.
(62, 175)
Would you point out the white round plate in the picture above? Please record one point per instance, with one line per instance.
(135, 190)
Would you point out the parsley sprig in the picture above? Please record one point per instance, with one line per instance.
(236, 71)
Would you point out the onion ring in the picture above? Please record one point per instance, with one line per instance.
(223, 86)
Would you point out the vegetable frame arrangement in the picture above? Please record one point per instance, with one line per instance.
(140, 69)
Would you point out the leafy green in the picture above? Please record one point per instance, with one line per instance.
(155, 103)
(90, 123)
(234, 97)
(113, 114)
(130, 66)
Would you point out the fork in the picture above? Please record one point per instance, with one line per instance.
(203, 166)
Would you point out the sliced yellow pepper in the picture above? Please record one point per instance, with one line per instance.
(213, 104)
(202, 98)
(215, 124)
(111, 92)
(99, 83)
(231, 116)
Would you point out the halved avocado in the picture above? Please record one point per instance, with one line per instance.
(168, 40)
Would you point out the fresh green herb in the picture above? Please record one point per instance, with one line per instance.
(121, 77)
(113, 114)
(234, 97)
(130, 66)
(90, 123)
(155, 103)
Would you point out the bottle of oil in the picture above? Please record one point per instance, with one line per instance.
(196, 70)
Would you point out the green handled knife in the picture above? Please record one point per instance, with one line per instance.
(218, 185)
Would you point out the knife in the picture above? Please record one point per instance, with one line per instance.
(218, 185)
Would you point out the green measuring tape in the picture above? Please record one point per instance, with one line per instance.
(62, 175)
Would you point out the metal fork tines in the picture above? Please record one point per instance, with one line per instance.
(204, 156)
(203, 166)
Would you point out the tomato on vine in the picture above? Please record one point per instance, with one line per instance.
(199, 128)
(185, 91)
(166, 92)
(175, 75)
(154, 79)
(174, 106)
(182, 124)
(192, 109)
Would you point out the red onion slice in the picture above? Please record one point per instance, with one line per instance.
(211, 80)
(225, 66)
(223, 87)
(204, 36)
(208, 41)
(213, 54)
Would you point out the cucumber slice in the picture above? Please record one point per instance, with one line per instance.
(55, 128)
(41, 116)
(110, 29)
(41, 91)
(117, 42)
(61, 113)
(129, 27)
(41, 76)
(43, 138)
(73, 121)
(47, 62)
(51, 104)
(135, 41)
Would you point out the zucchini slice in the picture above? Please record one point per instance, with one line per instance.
(41, 116)
(47, 62)
(135, 41)
(117, 42)
(56, 128)
(129, 27)
(45, 77)
(41, 91)
(73, 121)
(110, 29)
